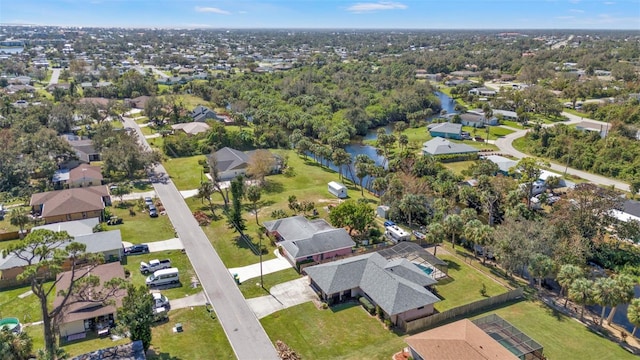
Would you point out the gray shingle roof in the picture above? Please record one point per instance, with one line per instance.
(504, 164)
(319, 243)
(296, 227)
(96, 243)
(396, 286)
(447, 127)
(230, 159)
(440, 146)
(74, 228)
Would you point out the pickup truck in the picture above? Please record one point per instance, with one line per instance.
(154, 265)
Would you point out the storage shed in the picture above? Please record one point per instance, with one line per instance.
(338, 189)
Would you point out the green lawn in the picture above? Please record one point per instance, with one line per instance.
(251, 288)
(513, 124)
(495, 132)
(344, 331)
(562, 337)
(141, 228)
(458, 166)
(26, 309)
(5, 225)
(185, 172)
(91, 343)
(463, 285)
(178, 260)
(202, 338)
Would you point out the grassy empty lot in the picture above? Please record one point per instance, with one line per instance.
(251, 288)
(344, 331)
(141, 228)
(458, 166)
(178, 260)
(562, 337)
(202, 338)
(464, 285)
(185, 172)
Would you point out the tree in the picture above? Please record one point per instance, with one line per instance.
(154, 109)
(566, 276)
(253, 195)
(580, 291)
(205, 191)
(121, 190)
(15, 346)
(19, 218)
(362, 164)
(453, 226)
(540, 267)
(633, 314)
(480, 234)
(353, 214)
(530, 170)
(234, 214)
(435, 234)
(261, 163)
(212, 161)
(605, 294)
(47, 251)
(624, 290)
(136, 314)
(411, 204)
(340, 158)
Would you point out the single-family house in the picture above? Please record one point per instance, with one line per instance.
(471, 119)
(457, 340)
(457, 82)
(80, 317)
(202, 113)
(506, 114)
(138, 102)
(445, 130)
(398, 287)
(303, 240)
(482, 91)
(70, 204)
(73, 228)
(131, 351)
(630, 211)
(231, 163)
(439, 146)
(192, 128)
(504, 164)
(85, 151)
(106, 243)
(82, 175)
(602, 129)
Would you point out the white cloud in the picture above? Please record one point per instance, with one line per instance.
(204, 9)
(376, 6)
(609, 3)
(578, 11)
(574, 1)
(565, 17)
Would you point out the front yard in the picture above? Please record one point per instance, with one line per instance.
(141, 228)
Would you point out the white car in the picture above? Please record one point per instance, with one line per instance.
(160, 301)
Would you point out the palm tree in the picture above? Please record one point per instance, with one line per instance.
(468, 214)
(19, 218)
(453, 226)
(605, 294)
(340, 158)
(566, 276)
(410, 204)
(633, 314)
(624, 293)
(470, 232)
(580, 291)
(15, 345)
(435, 235)
(253, 194)
(540, 266)
(362, 164)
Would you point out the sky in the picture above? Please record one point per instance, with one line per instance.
(327, 14)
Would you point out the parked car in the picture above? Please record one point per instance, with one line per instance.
(466, 137)
(388, 223)
(153, 212)
(160, 301)
(148, 201)
(419, 235)
(154, 265)
(479, 138)
(136, 249)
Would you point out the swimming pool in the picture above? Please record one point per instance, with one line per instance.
(426, 270)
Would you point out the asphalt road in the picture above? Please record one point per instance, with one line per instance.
(506, 146)
(245, 333)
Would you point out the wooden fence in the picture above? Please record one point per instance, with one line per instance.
(436, 319)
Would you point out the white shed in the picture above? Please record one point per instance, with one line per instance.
(338, 189)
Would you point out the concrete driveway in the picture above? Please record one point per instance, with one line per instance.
(198, 299)
(268, 267)
(164, 245)
(282, 296)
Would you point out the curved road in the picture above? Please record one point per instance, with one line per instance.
(506, 146)
(245, 333)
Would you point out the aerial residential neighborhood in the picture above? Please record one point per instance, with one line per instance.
(232, 192)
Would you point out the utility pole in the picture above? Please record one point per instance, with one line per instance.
(261, 279)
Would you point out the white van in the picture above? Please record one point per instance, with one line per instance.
(163, 277)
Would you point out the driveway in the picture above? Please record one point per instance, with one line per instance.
(283, 296)
(268, 267)
(506, 146)
(164, 245)
(198, 299)
(55, 75)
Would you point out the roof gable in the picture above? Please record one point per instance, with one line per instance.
(231, 159)
(440, 146)
(70, 201)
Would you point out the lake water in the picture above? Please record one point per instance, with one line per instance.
(356, 148)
